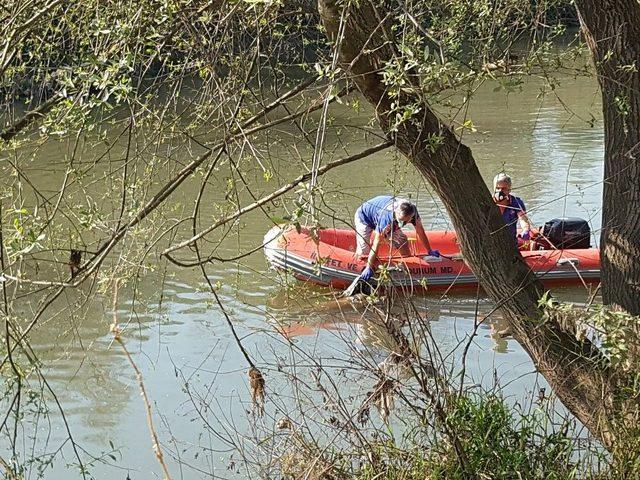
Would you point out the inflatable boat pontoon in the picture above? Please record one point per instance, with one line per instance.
(329, 259)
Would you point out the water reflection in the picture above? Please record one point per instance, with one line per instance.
(304, 312)
(89, 373)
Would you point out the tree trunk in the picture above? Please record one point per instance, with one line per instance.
(584, 385)
(612, 31)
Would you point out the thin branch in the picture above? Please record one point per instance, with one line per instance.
(302, 178)
(44, 108)
(115, 329)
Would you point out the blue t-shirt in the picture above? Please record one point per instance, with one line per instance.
(511, 213)
(377, 213)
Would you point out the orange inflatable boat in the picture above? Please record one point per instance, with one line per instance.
(329, 259)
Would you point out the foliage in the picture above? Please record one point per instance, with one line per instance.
(500, 441)
(614, 331)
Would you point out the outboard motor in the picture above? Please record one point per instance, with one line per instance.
(567, 232)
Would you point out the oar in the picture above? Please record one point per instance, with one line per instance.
(454, 256)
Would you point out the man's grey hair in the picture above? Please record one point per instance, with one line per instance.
(501, 177)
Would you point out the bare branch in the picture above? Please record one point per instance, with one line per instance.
(302, 178)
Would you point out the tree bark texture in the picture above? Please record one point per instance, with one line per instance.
(612, 31)
(365, 46)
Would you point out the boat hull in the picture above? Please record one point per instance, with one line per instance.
(329, 259)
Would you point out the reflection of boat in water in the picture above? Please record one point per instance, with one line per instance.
(361, 321)
(328, 259)
(312, 308)
(364, 323)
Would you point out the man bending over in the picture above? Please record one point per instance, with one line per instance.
(386, 215)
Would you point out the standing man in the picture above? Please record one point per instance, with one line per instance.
(386, 215)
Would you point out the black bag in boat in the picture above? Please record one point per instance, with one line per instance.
(569, 232)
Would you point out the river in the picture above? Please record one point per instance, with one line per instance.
(192, 369)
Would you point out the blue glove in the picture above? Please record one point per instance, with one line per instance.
(433, 253)
(367, 273)
(526, 235)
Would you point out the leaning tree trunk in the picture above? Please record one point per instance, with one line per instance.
(365, 46)
(612, 30)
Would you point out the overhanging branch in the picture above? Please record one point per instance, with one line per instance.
(302, 178)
